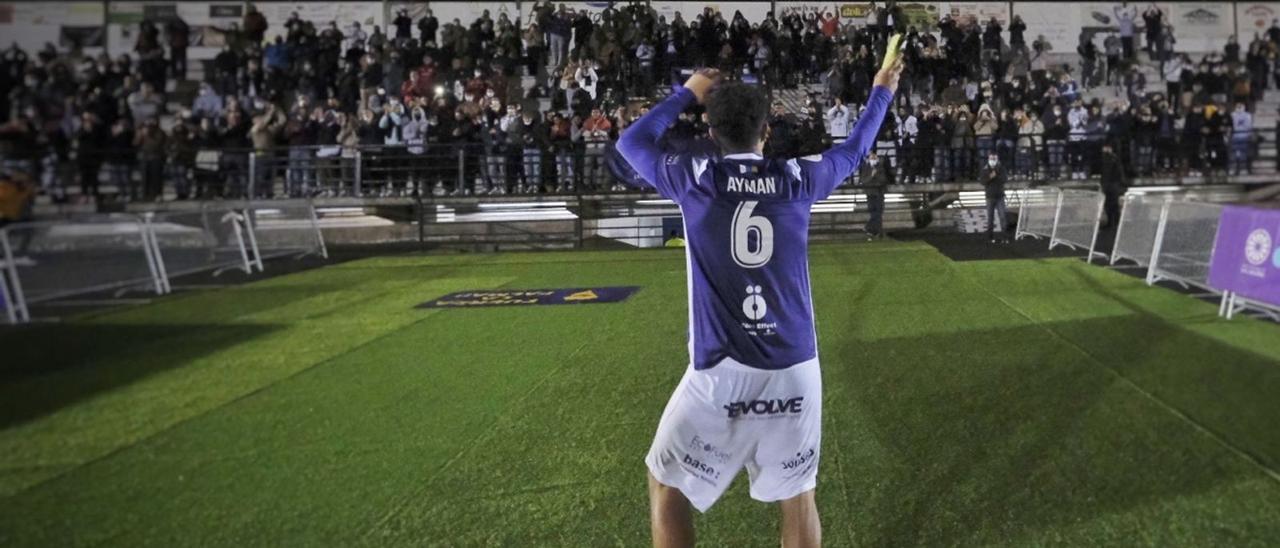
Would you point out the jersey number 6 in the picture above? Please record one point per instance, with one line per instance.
(743, 225)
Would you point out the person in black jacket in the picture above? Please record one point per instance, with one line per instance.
(427, 27)
(782, 128)
(90, 150)
(873, 177)
(179, 35)
(993, 177)
(1114, 184)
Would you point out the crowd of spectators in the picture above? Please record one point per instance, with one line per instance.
(499, 105)
(968, 91)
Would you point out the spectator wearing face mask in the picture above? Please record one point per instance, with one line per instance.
(993, 178)
(874, 178)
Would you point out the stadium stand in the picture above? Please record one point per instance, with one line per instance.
(529, 101)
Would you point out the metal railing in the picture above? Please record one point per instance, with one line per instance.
(474, 168)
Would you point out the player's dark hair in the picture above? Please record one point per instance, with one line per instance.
(737, 112)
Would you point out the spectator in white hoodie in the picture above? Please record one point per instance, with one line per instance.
(391, 122)
(414, 133)
(1241, 140)
(838, 121)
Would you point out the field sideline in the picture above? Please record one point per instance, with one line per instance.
(1014, 402)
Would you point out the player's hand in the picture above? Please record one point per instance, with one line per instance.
(891, 67)
(888, 76)
(701, 81)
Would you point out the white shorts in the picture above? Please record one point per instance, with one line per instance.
(731, 415)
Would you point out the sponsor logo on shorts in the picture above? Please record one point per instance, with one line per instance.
(701, 469)
(800, 460)
(774, 407)
(710, 450)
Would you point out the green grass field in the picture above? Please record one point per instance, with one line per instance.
(1019, 402)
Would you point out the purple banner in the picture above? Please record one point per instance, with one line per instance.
(1246, 255)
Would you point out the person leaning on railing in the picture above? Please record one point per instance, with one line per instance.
(301, 133)
(90, 142)
(349, 139)
(414, 132)
(1030, 134)
(263, 131)
(181, 151)
(152, 143)
(121, 158)
(595, 132)
(529, 135)
(493, 138)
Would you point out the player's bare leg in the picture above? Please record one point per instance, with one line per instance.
(801, 527)
(670, 516)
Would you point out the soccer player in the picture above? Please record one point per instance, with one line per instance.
(752, 393)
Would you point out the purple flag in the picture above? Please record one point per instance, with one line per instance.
(1246, 255)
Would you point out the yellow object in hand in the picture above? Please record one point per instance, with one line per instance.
(892, 51)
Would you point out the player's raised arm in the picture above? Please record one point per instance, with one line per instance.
(839, 162)
(638, 144)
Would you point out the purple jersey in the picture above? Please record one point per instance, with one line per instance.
(746, 222)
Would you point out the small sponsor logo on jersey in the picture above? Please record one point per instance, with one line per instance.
(707, 471)
(709, 450)
(779, 406)
(754, 306)
(800, 460)
(752, 185)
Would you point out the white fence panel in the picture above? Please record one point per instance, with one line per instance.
(49, 260)
(1139, 224)
(210, 239)
(1184, 244)
(1036, 216)
(283, 228)
(1076, 224)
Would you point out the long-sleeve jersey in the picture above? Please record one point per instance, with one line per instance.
(746, 221)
